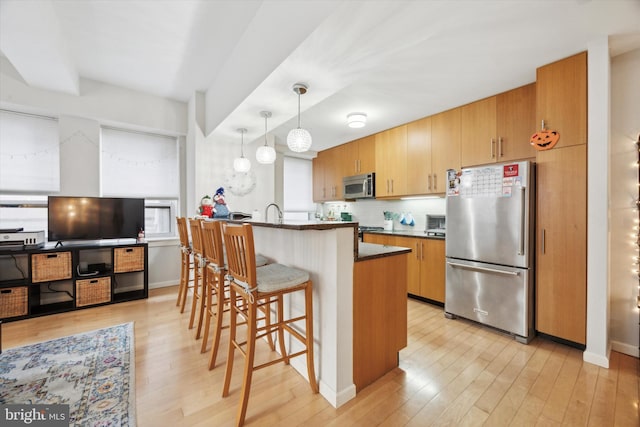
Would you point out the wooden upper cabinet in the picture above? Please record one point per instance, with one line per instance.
(498, 129)
(419, 157)
(366, 154)
(327, 176)
(516, 122)
(445, 147)
(478, 132)
(561, 99)
(391, 160)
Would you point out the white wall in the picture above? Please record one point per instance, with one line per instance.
(625, 126)
(79, 123)
(214, 168)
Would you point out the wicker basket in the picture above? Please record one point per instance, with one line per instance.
(93, 291)
(14, 302)
(50, 266)
(128, 259)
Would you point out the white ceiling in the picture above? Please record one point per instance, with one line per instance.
(394, 60)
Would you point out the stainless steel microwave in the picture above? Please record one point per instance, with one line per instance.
(359, 186)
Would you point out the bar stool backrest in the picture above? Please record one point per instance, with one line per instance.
(183, 232)
(212, 243)
(241, 256)
(196, 237)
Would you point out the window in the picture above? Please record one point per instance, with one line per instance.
(29, 153)
(136, 164)
(298, 187)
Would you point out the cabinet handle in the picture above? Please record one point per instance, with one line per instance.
(435, 182)
(429, 187)
(422, 251)
(493, 141)
(542, 124)
(418, 251)
(392, 186)
(500, 153)
(52, 256)
(387, 186)
(542, 241)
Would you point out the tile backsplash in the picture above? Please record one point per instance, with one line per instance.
(371, 212)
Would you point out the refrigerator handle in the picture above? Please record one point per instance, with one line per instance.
(522, 220)
(489, 270)
(542, 238)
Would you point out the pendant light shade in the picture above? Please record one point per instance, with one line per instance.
(241, 164)
(299, 140)
(265, 154)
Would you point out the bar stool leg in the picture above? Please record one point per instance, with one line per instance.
(196, 297)
(203, 304)
(232, 339)
(210, 290)
(218, 326)
(283, 350)
(185, 289)
(311, 372)
(248, 364)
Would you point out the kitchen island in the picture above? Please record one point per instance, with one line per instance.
(328, 251)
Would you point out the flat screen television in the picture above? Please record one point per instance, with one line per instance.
(94, 218)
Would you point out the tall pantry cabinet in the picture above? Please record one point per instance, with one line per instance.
(561, 284)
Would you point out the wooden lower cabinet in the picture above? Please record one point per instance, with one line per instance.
(379, 316)
(561, 261)
(425, 266)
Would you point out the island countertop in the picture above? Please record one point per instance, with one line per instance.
(298, 224)
(362, 251)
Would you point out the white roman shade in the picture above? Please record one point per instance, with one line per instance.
(298, 185)
(136, 164)
(29, 153)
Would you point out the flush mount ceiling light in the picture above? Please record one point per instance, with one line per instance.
(356, 120)
(299, 140)
(241, 164)
(265, 154)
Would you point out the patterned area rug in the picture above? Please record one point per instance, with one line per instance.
(92, 372)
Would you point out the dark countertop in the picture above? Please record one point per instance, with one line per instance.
(407, 233)
(368, 251)
(300, 225)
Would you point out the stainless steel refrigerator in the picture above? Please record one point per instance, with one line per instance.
(490, 246)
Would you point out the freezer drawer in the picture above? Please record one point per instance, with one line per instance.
(491, 294)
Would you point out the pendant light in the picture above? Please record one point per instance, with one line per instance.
(299, 140)
(241, 164)
(265, 154)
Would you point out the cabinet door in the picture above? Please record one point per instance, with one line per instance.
(367, 154)
(379, 239)
(516, 117)
(319, 191)
(391, 158)
(433, 270)
(445, 147)
(349, 158)
(419, 157)
(561, 99)
(561, 243)
(478, 132)
(414, 261)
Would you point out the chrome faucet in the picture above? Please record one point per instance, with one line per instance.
(266, 213)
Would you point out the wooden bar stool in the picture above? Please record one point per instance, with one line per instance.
(199, 271)
(186, 263)
(216, 286)
(260, 287)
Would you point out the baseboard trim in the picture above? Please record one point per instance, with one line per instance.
(597, 359)
(162, 284)
(628, 349)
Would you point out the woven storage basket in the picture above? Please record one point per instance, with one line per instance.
(128, 259)
(50, 266)
(93, 291)
(14, 302)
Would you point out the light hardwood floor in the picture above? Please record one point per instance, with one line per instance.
(452, 373)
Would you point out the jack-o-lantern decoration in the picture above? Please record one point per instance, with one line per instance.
(544, 139)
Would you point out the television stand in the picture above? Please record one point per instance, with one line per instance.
(58, 244)
(41, 281)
